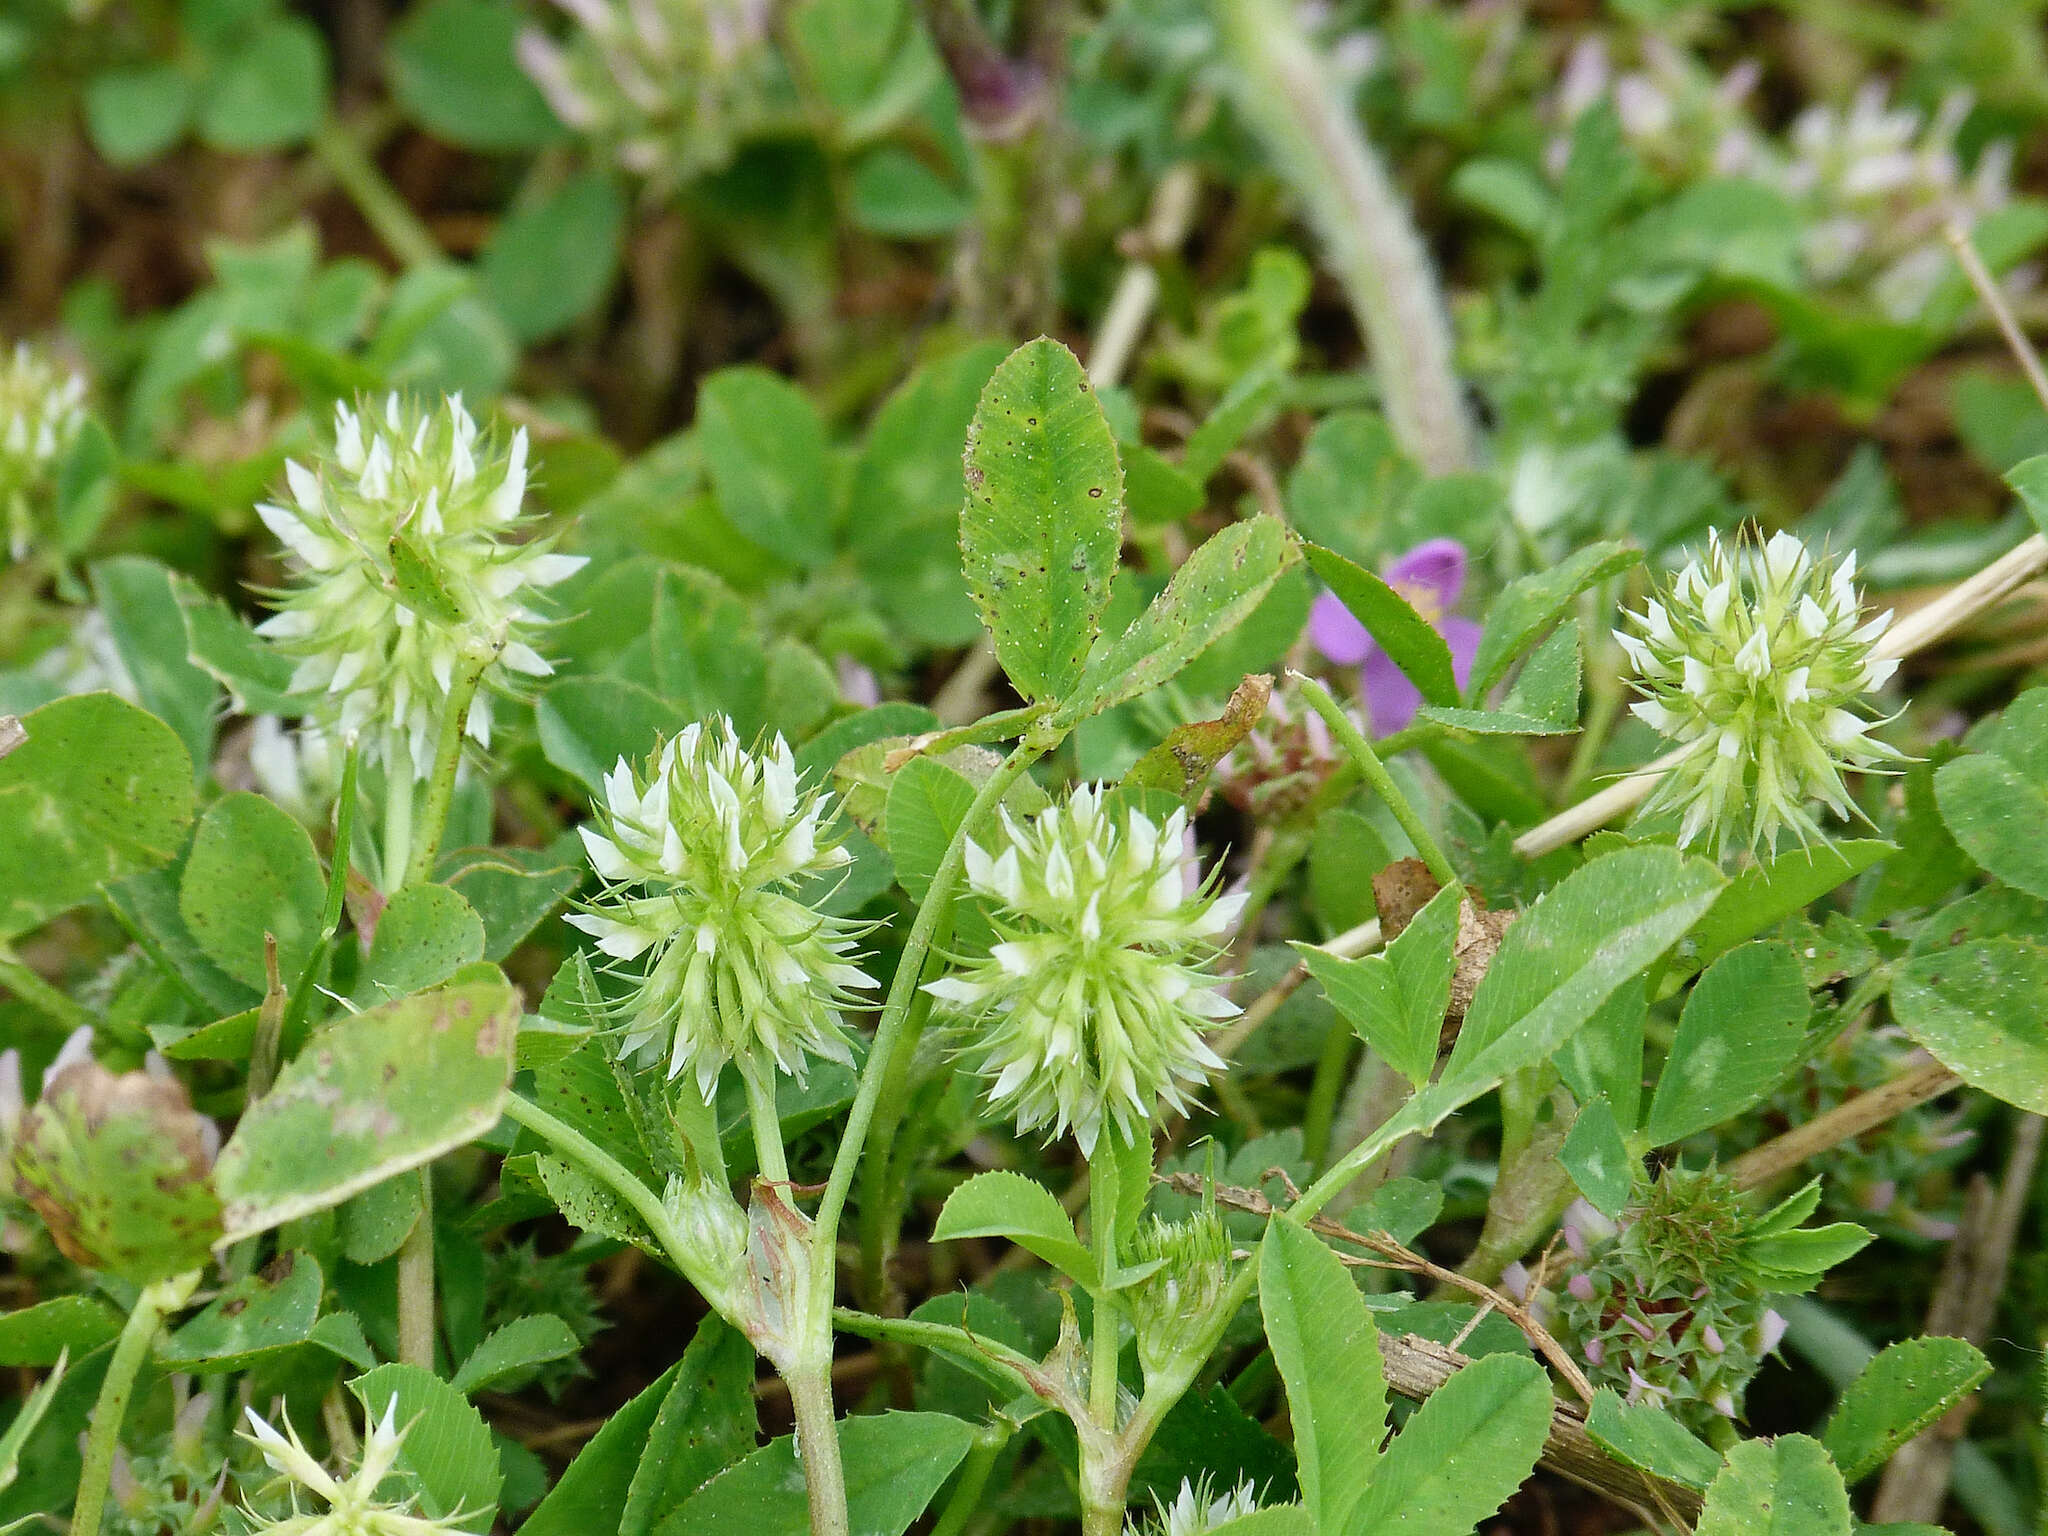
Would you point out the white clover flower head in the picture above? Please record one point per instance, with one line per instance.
(1196, 1509)
(1756, 660)
(353, 1505)
(701, 849)
(1178, 1310)
(1092, 1004)
(713, 1230)
(406, 572)
(42, 408)
(668, 86)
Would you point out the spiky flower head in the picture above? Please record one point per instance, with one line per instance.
(1180, 1309)
(407, 574)
(1091, 1005)
(1196, 1510)
(1757, 661)
(353, 1505)
(42, 407)
(668, 86)
(701, 849)
(1671, 1304)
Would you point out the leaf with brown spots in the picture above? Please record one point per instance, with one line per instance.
(371, 1095)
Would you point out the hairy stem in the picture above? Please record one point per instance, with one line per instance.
(817, 1446)
(416, 1282)
(1375, 774)
(1369, 241)
(1102, 1381)
(476, 658)
(157, 1301)
(769, 1155)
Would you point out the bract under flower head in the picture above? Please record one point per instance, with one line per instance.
(399, 541)
(42, 408)
(700, 849)
(353, 1505)
(1092, 1004)
(1756, 660)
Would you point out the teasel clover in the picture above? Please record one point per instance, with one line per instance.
(1091, 1006)
(354, 1507)
(1757, 661)
(702, 849)
(42, 408)
(410, 587)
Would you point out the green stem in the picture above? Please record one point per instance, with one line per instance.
(476, 658)
(157, 1301)
(1102, 1379)
(301, 1001)
(1323, 1092)
(416, 1282)
(398, 798)
(769, 1156)
(903, 992)
(375, 198)
(606, 1169)
(1375, 773)
(973, 1478)
(24, 983)
(817, 1446)
(882, 1190)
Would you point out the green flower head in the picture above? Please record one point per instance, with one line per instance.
(1092, 1004)
(42, 408)
(1756, 661)
(701, 849)
(406, 574)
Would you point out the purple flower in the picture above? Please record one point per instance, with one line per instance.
(1429, 577)
(1581, 1286)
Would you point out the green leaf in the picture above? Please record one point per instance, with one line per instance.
(425, 934)
(1008, 1205)
(448, 1449)
(1043, 520)
(252, 871)
(257, 1315)
(37, 1335)
(1604, 1058)
(1180, 765)
(1410, 641)
(148, 628)
(764, 447)
(1470, 1445)
(370, 1095)
(895, 1463)
(1772, 889)
(1596, 1156)
(1328, 1352)
(2029, 481)
(98, 790)
(1996, 812)
(706, 1424)
(1528, 607)
(1593, 931)
(1976, 1007)
(1743, 1030)
(1650, 1439)
(256, 674)
(547, 265)
(1250, 398)
(666, 1442)
(147, 906)
(1212, 592)
(927, 803)
(1396, 1001)
(1544, 700)
(896, 195)
(1781, 1487)
(1906, 1388)
(512, 890)
(586, 724)
(524, 1342)
(134, 115)
(271, 92)
(1280, 1520)
(451, 66)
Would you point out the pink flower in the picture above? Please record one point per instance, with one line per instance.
(1430, 578)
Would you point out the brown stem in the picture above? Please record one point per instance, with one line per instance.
(1845, 1122)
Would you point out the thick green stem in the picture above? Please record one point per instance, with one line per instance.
(398, 805)
(587, 1155)
(973, 1478)
(769, 1156)
(477, 657)
(375, 198)
(1375, 774)
(817, 1445)
(885, 1177)
(157, 1301)
(416, 1283)
(1102, 1382)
